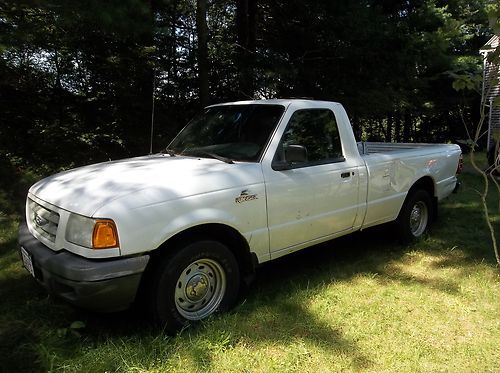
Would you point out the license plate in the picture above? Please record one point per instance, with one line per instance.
(28, 263)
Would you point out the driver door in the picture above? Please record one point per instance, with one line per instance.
(312, 190)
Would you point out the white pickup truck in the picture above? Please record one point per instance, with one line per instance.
(241, 184)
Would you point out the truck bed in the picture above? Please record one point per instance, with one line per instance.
(394, 167)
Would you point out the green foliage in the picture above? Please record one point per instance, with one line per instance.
(493, 10)
(74, 329)
(467, 81)
(76, 78)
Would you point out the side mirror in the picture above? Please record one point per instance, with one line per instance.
(295, 153)
(281, 165)
(292, 154)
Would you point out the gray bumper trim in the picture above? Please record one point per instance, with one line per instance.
(101, 285)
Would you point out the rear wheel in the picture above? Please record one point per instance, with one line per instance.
(199, 279)
(415, 216)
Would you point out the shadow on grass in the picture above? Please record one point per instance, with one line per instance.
(8, 234)
(8, 246)
(282, 319)
(445, 286)
(18, 351)
(280, 325)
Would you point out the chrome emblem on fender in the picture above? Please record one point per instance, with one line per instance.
(245, 197)
(40, 221)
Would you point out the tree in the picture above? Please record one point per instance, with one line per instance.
(77, 77)
(246, 37)
(202, 31)
(485, 88)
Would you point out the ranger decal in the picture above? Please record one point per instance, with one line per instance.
(245, 197)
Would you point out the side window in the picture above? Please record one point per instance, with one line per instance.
(311, 138)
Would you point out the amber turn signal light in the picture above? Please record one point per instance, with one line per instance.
(105, 235)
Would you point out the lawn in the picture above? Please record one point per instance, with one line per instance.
(359, 303)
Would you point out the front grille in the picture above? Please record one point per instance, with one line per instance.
(43, 220)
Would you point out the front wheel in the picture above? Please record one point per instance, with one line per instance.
(199, 279)
(415, 216)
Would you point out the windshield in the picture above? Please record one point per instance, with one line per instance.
(232, 132)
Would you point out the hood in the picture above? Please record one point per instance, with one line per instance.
(86, 189)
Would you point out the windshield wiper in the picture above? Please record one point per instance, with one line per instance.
(168, 151)
(211, 155)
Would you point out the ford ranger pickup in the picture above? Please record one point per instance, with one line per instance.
(242, 184)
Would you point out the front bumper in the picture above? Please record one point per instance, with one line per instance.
(99, 285)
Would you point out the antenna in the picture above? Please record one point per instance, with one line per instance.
(152, 113)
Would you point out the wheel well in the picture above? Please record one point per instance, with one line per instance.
(426, 183)
(218, 232)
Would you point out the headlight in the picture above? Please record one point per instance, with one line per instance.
(91, 233)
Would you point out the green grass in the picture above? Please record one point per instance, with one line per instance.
(359, 303)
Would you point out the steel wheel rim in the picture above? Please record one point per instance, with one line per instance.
(419, 216)
(199, 289)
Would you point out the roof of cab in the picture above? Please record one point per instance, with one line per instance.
(281, 101)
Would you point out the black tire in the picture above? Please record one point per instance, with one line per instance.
(195, 281)
(415, 216)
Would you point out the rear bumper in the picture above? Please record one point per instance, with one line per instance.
(98, 285)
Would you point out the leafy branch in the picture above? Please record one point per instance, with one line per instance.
(490, 85)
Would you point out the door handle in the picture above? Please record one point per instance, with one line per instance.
(344, 175)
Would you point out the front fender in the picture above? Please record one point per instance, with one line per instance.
(145, 228)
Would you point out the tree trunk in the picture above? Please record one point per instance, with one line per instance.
(245, 55)
(202, 31)
(388, 129)
(407, 123)
(397, 125)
